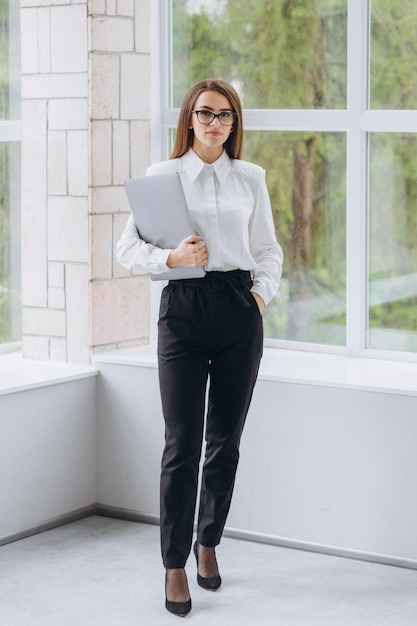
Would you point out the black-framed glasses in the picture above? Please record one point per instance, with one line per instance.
(226, 118)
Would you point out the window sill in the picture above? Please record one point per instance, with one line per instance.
(305, 368)
(18, 374)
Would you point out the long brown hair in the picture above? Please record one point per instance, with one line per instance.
(185, 135)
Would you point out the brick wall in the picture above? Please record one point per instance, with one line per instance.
(85, 129)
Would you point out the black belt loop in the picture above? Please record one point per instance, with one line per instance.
(217, 281)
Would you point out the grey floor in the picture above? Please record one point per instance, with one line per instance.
(106, 572)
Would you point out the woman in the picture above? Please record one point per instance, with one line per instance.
(209, 328)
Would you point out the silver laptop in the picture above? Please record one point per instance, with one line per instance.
(162, 218)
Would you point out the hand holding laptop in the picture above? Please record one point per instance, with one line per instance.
(161, 215)
(191, 252)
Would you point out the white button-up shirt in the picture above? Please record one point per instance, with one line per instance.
(230, 209)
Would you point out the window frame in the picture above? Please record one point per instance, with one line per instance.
(356, 121)
(10, 132)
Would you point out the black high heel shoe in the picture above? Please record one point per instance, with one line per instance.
(213, 582)
(177, 608)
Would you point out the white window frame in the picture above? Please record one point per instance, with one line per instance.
(10, 131)
(356, 121)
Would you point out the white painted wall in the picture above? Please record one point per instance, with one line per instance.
(319, 465)
(322, 466)
(47, 453)
(130, 435)
(330, 466)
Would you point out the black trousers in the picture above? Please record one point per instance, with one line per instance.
(209, 329)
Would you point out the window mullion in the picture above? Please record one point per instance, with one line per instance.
(295, 120)
(356, 178)
(10, 130)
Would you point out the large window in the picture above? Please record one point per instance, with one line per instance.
(306, 173)
(329, 90)
(392, 233)
(10, 308)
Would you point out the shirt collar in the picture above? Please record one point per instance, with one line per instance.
(194, 165)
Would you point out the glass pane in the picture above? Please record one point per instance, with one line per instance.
(10, 306)
(306, 177)
(280, 55)
(393, 242)
(393, 71)
(9, 60)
